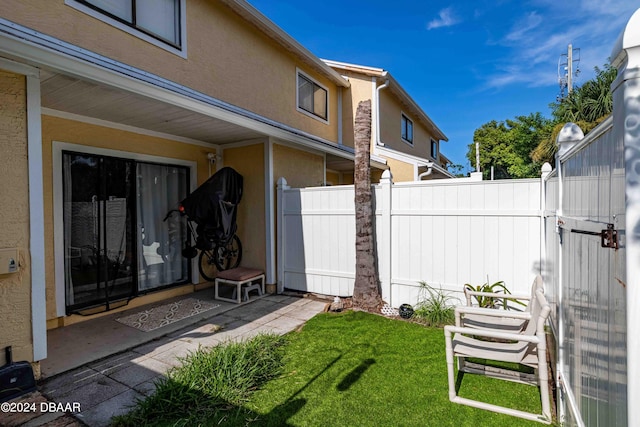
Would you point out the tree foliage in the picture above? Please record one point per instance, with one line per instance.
(507, 145)
(587, 106)
(517, 148)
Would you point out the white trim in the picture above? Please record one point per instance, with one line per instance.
(269, 206)
(18, 68)
(182, 51)
(339, 116)
(36, 219)
(246, 143)
(133, 129)
(58, 217)
(408, 158)
(299, 72)
(298, 147)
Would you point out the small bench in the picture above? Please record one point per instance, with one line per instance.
(243, 279)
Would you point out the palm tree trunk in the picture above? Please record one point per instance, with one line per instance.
(366, 291)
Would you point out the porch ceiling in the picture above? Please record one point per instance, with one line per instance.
(71, 95)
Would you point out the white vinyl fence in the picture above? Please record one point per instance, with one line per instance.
(444, 232)
(451, 232)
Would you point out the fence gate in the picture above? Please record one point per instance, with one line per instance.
(589, 264)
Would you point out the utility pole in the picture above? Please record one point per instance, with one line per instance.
(565, 70)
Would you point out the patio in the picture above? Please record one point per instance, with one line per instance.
(113, 364)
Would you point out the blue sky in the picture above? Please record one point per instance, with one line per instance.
(465, 62)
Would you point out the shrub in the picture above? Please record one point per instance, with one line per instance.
(433, 307)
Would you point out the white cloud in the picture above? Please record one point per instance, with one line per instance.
(445, 18)
(521, 29)
(533, 44)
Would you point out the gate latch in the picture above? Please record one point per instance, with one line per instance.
(609, 237)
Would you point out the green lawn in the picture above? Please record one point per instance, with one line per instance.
(359, 369)
(351, 369)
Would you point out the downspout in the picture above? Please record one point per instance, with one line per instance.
(378, 89)
(427, 172)
(379, 142)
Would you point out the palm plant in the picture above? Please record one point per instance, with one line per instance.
(490, 301)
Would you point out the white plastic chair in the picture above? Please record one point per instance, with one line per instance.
(527, 347)
(510, 320)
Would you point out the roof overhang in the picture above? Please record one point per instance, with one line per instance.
(103, 89)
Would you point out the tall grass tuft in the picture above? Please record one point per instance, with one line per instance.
(210, 384)
(434, 307)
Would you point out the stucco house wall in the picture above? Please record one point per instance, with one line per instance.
(15, 288)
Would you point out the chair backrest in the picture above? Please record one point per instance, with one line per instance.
(535, 286)
(540, 310)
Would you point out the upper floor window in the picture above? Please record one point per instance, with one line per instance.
(312, 97)
(159, 19)
(406, 129)
(434, 149)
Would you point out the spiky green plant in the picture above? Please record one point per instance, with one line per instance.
(434, 306)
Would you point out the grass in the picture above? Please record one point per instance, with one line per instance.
(210, 386)
(345, 369)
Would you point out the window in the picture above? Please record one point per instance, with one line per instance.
(434, 149)
(407, 129)
(160, 19)
(312, 98)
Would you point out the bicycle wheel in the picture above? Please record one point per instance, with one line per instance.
(206, 265)
(229, 255)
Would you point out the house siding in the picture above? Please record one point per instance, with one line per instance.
(299, 168)
(227, 57)
(15, 288)
(390, 128)
(249, 162)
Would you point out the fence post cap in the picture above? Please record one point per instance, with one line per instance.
(386, 175)
(628, 38)
(567, 137)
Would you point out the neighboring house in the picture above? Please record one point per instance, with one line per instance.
(402, 133)
(110, 115)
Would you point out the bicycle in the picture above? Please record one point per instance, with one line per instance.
(215, 254)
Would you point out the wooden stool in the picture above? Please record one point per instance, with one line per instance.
(238, 277)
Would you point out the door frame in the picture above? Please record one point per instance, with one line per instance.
(58, 217)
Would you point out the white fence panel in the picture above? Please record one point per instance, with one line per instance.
(446, 233)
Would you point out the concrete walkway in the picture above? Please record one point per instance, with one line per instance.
(96, 391)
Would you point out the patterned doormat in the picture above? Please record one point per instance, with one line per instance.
(164, 315)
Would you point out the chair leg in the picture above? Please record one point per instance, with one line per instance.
(450, 369)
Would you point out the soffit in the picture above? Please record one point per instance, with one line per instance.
(71, 95)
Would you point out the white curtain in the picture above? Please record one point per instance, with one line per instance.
(160, 260)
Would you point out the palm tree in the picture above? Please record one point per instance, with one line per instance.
(587, 106)
(366, 290)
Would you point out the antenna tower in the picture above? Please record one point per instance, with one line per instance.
(565, 70)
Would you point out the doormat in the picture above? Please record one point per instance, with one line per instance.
(164, 315)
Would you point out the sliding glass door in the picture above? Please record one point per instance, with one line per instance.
(115, 240)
